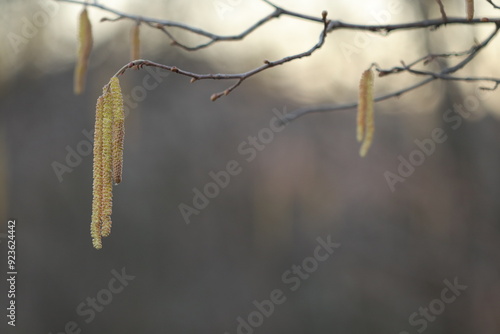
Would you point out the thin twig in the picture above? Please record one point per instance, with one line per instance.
(424, 60)
(309, 110)
(441, 9)
(434, 23)
(161, 24)
(328, 26)
(240, 77)
(494, 6)
(472, 52)
(443, 75)
(278, 11)
(216, 38)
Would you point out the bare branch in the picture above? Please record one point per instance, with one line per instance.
(328, 26)
(213, 38)
(494, 6)
(425, 60)
(240, 77)
(472, 52)
(441, 9)
(434, 23)
(443, 75)
(216, 38)
(309, 110)
(278, 11)
(146, 20)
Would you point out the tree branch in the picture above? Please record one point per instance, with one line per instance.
(434, 23)
(309, 110)
(240, 77)
(494, 6)
(443, 75)
(217, 38)
(442, 10)
(278, 11)
(328, 26)
(213, 38)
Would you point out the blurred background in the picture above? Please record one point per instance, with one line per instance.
(400, 248)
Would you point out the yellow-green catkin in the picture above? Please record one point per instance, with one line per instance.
(365, 117)
(108, 158)
(95, 227)
(118, 129)
(360, 118)
(85, 42)
(107, 162)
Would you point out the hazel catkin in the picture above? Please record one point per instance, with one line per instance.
(85, 42)
(365, 122)
(108, 158)
(135, 47)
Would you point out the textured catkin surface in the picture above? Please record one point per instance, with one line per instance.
(95, 227)
(118, 130)
(107, 183)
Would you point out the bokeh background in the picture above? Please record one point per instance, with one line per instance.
(397, 248)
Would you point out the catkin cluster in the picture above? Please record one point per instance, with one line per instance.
(108, 158)
(365, 122)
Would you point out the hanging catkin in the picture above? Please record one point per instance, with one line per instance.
(135, 47)
(95, 227)
(470, 9)
(118, 129)
(365, 123)
(107, 162)
(85, 42)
